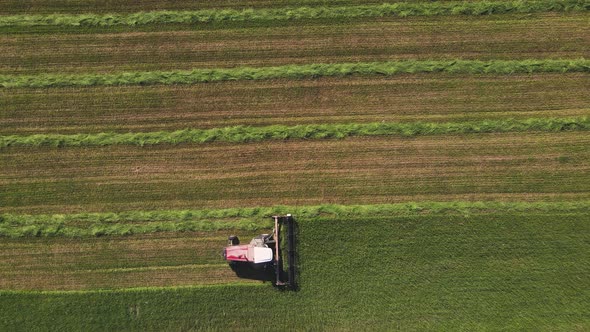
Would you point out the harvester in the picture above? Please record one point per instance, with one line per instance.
(261, 259)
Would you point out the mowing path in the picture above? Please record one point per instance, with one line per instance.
(495, 166)
(171, 259)
(435, 98)
(509, 37)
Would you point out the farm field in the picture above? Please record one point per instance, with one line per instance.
(435, 156)
(435, 98)
(427, 271)
(356, 171)
(416, 38)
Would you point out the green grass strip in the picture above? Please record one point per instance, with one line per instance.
(240, 134)
(119, 229)
(296, 72)
(142, 222)
(401, 9)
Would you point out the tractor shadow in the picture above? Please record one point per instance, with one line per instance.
(247, 270)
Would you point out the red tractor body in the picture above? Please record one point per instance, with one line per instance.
(257, 252)
(236, 253)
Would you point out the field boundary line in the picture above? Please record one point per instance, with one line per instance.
(308, 71)
(400, 9)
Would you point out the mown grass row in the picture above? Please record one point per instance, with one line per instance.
(100, 51)
(240, 134)
(89, 230)
(401, 9)
(297, 72)
(247, 219)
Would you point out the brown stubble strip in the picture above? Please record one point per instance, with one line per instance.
(352, 171)
(546, 35)
(420, 97)
(161, 259)
(84, 280)
(160, 248)
(187, 203)
(122, 6)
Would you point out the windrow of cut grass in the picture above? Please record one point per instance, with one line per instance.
(248, 219)
(241, 134)
(502, 270)
(298, 72)
(119, 229)
(442, 98)
(401, 9)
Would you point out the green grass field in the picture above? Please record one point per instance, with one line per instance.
(434, 154)
(483, 271)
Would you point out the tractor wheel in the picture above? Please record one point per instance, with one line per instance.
(233, 240)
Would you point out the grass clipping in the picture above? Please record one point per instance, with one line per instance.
(256, 218)
(401, 9)
(296, 72)
(240, 134)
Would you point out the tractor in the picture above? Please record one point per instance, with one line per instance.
(261, 259)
